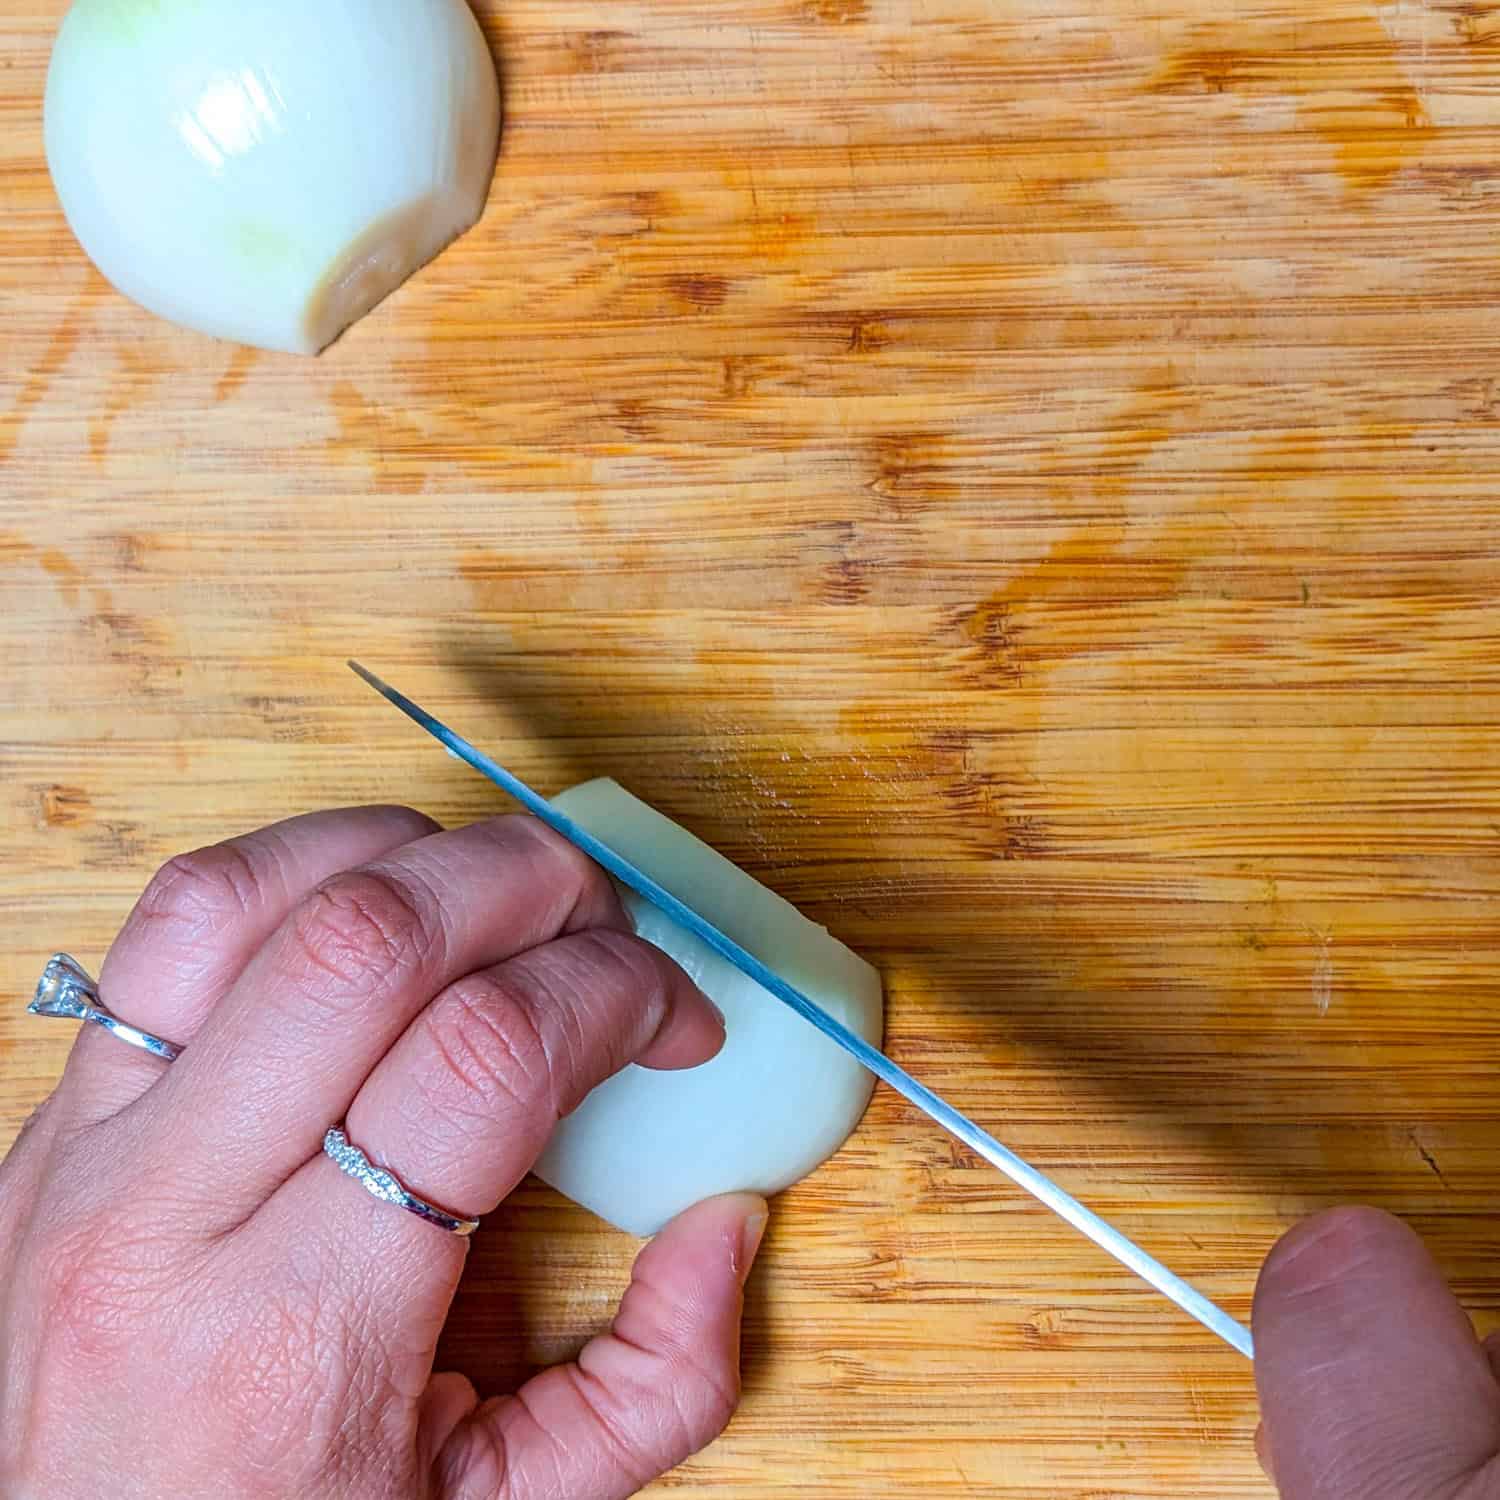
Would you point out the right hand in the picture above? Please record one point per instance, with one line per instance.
(194, 1301)
(1372, 1383)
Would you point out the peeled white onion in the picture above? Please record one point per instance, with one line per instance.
(268, 172)
(777, 1101)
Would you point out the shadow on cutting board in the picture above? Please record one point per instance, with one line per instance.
(1039, 1018)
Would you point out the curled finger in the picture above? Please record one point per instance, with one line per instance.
(461, 1107)
(196, 926)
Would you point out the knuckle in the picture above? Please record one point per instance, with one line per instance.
(704, 1410)
(698, 1399)
(362, 930)
(196, 896)
(489, 1048)
(30, 1133)
(639, 967)
(702, 1382)
(582, 885)
(418, 824)
(614, 1430)
(610, 995)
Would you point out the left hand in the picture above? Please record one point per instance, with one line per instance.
(194, 1301)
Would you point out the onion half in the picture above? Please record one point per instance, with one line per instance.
(777, 1101)
(268, 172)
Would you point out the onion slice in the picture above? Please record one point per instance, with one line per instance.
(777, 1101)
(268, 172)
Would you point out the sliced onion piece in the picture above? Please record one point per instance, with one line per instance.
(777, 1101)
(268, 172)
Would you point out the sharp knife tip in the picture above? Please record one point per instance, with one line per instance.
(382, 687)
(413, 711)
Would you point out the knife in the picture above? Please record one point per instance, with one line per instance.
(1040, 1186)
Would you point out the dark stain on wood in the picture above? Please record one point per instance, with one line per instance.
(599, 50)
(65, 806)
(701, 290)
(991, 630)
(116, 845)
(845, 581)
(131, 550)
(836, 12)
(913, 469)
(739, 376)
(636, 419)
(866, 336)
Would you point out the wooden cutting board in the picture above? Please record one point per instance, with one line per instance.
(1019, 477)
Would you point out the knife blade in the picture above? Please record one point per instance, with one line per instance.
(1019, 1171)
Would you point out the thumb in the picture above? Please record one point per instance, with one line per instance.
(1372, 1383)
(657, 1387)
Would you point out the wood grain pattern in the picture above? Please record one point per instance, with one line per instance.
(1019, 477)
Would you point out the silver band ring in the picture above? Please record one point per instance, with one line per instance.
(381, 1184)
(67, 992)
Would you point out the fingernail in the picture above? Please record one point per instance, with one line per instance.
(752, 1232)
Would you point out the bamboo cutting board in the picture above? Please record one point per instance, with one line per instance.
(1020, 477)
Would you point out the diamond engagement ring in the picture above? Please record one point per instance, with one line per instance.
(66, 991)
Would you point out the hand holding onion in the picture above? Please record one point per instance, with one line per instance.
(268, 172)
(194, 1301)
